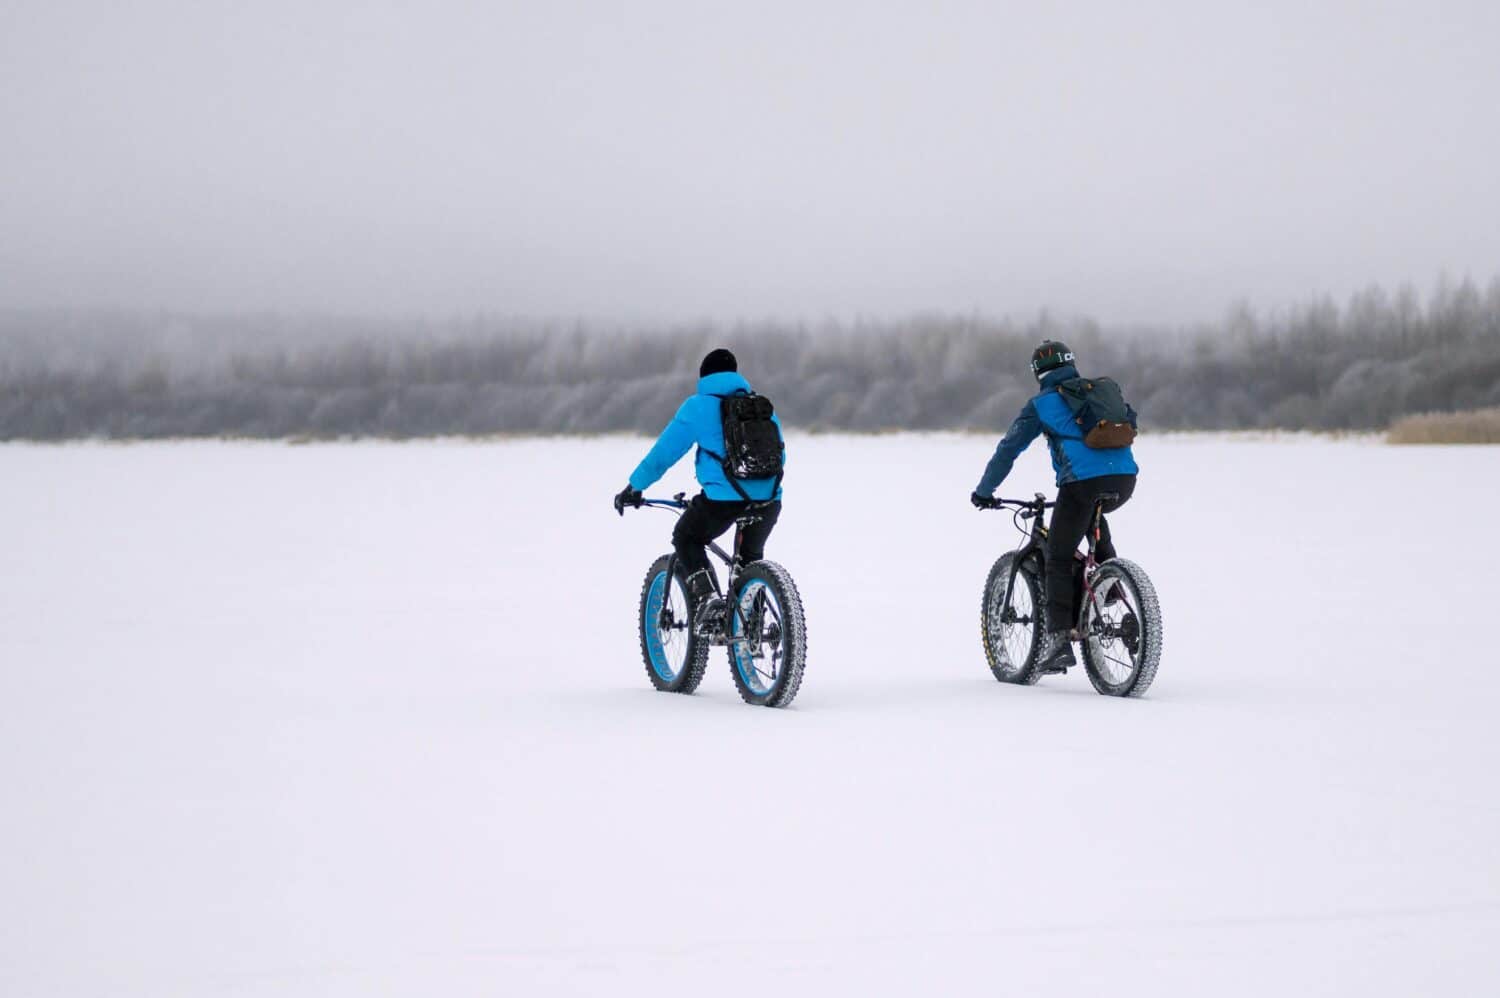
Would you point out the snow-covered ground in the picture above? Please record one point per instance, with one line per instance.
(371, 720)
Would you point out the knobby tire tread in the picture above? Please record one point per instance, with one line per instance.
(794, 622)
(696, 665)
(1027, 674)
(1151, 631)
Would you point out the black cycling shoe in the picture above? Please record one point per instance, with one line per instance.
(1057, 654)
(708, 606)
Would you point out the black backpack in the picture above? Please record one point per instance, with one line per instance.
(1100, 410)
(752, 441)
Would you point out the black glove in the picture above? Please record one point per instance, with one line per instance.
(982, 502)
(627, 497)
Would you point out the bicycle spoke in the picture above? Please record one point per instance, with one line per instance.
(1012, 619)
(755, 655)
(665, 628)
(1126, 666)
(1123, 631)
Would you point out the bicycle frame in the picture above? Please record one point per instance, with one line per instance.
(735, 563)
(1035, 543)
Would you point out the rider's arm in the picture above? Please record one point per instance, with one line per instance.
(1020, 435)
(674, 442)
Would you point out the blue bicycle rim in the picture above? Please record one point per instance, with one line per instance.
(654, 599)
(744, 663)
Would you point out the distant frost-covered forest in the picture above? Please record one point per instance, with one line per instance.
(1381, 356)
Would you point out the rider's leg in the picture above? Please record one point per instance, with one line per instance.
(1123, 486)
(1070, 520)
(703, 521)
(1104, 548)
(753, 538)
(753, 548)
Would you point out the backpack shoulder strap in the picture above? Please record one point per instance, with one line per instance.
(729, 478)
(1073, 390)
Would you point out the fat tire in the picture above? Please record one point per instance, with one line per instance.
(695, 662)
(1151, 632)
(1027, 673)
(794, 627)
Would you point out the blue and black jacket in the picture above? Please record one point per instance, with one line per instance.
(1072, 459)
(697, 422)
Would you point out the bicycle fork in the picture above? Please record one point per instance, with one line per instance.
(666, 593)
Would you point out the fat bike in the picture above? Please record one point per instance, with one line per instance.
(1119, 618)
(763, 628)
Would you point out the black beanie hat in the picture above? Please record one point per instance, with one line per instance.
(717, 361)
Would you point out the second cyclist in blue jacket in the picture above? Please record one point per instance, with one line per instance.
(1083, 474)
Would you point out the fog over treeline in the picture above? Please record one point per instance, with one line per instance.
(78, 374)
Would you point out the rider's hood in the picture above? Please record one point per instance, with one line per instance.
(1057, 376)
(722, 383)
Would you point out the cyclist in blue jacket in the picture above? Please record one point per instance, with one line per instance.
(715, 509)
(1083, 474)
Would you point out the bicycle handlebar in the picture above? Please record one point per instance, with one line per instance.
(676, 502)
(1038, 503)
(679, 502)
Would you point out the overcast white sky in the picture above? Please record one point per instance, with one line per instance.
(1133, 161)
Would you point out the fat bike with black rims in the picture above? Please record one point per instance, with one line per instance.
(764, 628)
(1119, 617)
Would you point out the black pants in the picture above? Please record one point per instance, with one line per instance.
(705, 519)
(1070, 521)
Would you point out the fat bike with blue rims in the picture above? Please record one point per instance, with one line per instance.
(763, 628)
(1119, 617)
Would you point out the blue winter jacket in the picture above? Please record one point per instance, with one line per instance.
(1072, 459)
(697, 422)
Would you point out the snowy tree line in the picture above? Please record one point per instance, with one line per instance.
(1381, 356)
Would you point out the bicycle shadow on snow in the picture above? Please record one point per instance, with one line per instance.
(840, 696)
